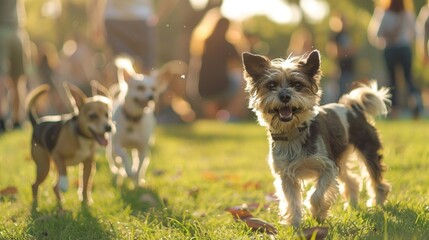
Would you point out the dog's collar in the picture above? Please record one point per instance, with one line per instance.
(78, 130)
(289, 135)
(131, 118)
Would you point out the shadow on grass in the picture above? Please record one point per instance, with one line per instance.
(147, 205)
(141, 199)
(393, 221)
(51, 224)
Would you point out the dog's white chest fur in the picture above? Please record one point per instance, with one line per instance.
(291, 159)
(84, 152)
(130, 134)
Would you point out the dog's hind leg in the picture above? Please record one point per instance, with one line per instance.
(143, 163)
(42, 159)
(369, 152)
(351, 187)
(351, 184)
(377, 187)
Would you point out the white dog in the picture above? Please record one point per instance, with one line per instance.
(133, 114)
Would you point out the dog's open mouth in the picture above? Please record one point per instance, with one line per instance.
(100, 138)
(140, 102)
(286, 113)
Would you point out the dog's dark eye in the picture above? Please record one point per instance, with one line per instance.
(141, 88)
(271, 85)
(93, 116)
(298, 86)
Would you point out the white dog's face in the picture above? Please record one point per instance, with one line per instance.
(143, 90)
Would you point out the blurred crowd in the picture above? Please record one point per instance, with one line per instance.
(208, 43)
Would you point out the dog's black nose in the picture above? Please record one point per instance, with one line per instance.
(284, 97)
(108, 128)
(150, 98)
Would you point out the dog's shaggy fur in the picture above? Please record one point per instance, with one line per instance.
(312, 142)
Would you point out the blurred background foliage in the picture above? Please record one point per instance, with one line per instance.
(56, 20)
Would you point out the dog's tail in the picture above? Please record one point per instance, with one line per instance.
(31, 99)
(124, 64)
(368, 99)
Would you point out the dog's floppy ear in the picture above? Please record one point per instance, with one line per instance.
(75, 95)
(98, 89)
(170, 71)
(311, 65)
(255, 65)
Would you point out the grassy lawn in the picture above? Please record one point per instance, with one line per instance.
(197, 172)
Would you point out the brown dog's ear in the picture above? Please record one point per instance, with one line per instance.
(312, 64)
(75, 95)
(98, 89)
(255, 65)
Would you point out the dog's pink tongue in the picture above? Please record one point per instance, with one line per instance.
(101, 140)
(285, 114)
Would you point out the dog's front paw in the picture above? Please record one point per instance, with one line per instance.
(295, 223)
(138, 182)
(86, 200)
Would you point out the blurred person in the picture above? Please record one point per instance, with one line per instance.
(392, 28)
(301, 42)
(130, 29)
(13, 56)
(422, 27)
(47, 64)
(77, 63)
(219, 72)
(342, 48)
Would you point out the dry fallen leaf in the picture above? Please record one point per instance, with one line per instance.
(257, 224)
(210, 176)
(251, 185)
(238, 212)
(193, 192)
(319, 232)
(9, 191)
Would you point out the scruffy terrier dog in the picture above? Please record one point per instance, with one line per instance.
(312, 142)
(69, 139)
(134, 117)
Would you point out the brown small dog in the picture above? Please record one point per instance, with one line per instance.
(69, 139)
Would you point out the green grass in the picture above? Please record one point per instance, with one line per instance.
(198, 171)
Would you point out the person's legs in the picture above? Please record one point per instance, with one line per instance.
(237, 105)
(17, 78)
(406, 62)
(4, 64)
(390, 56)
(134, 38)
(3, 80)
(16, 90)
